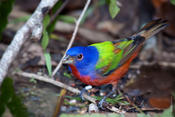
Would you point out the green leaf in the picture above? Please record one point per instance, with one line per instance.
(45, 39)
(51, 26)
(67, 18)
(46, 21)
(5, 9)
(71, 97)
(117, 99)
(5, 97)
(20, 19)
(16, 107)
(33, 80)
(67, 75)
(172, 2)
(57, 6)
(7, 86)
(113, 8)
(48, 63)
(9, 99)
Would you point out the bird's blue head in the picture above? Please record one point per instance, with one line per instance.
(84, 58)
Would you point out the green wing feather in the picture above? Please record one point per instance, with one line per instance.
(111, 54)
(106, 53)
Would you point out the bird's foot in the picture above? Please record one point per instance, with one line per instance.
(84, 90)
(102, 101)
(100, 104)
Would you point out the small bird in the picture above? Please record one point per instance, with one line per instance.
(107, 62)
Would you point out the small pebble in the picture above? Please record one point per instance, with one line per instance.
(83, 110)
(73, 101)
(63, 108)
(138, 71)
(102, 93)
(93, 108)
(88, 87)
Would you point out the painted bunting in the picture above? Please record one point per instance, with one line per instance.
(107, 62)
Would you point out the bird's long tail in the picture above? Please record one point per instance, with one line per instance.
(139, 38)
(152, 28)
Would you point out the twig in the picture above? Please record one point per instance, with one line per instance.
(31, 29)
(59, 10)
(73, 36)
(62, 85)
(60, 101)
(137, 108)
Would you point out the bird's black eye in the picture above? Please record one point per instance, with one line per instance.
(80, 57)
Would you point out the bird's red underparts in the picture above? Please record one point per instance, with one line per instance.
(113, 78)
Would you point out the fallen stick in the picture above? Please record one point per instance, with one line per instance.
(69, 88)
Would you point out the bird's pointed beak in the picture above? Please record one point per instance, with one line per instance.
(68, 60)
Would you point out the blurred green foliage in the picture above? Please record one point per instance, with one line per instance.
(45, 38)
(20, 19)
(48, 63)
(117, 99)
(8, 99)
(113, 8)
(67, 18)
(52, 24)
(45, 42)
(5, 9)
(67, 75)
(172, 2)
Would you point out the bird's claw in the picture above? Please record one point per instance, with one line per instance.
(82, 93)
(102, 101)
(84, 90)
(100, 104)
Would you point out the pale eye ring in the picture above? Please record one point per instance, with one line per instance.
(80, 57)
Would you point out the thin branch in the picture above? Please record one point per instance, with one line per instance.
(69, 88)
(31, 29)
(73, 36)
(59, 10)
